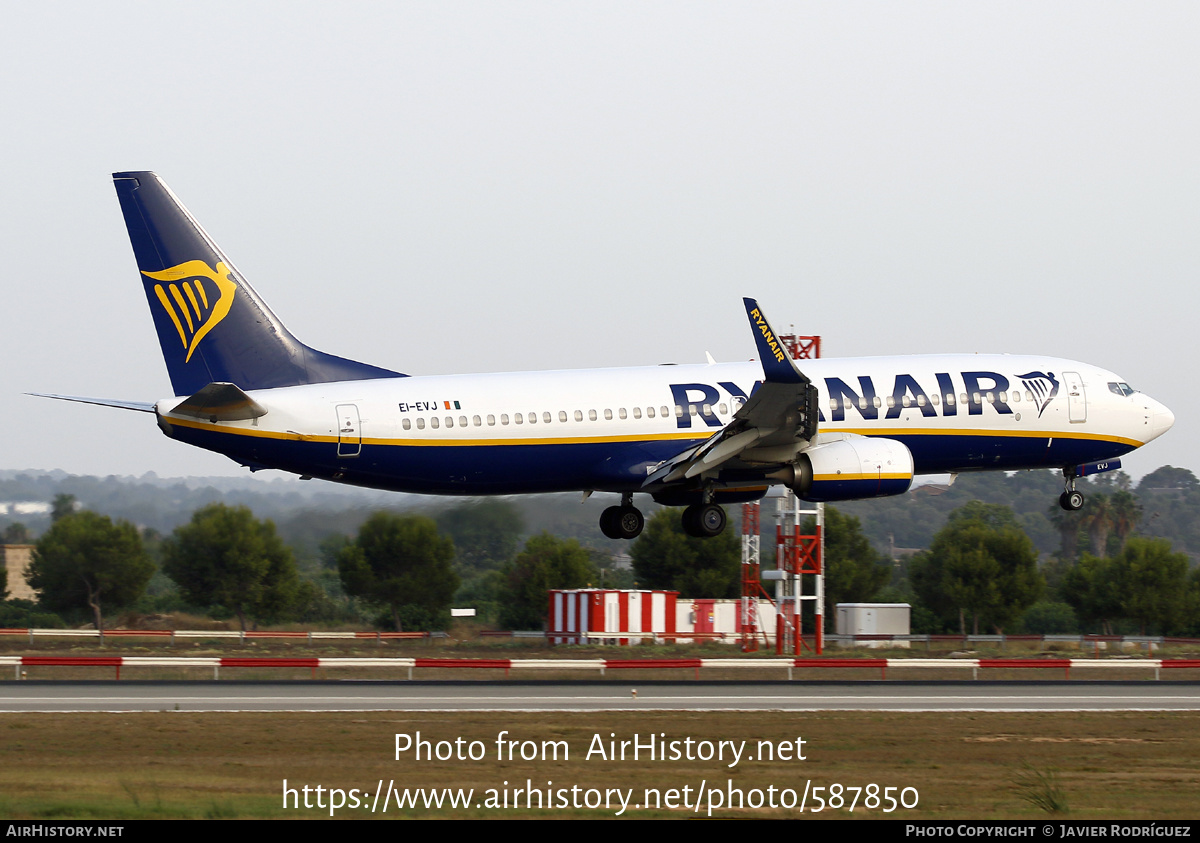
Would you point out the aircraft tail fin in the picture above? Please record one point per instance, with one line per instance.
(211, 325)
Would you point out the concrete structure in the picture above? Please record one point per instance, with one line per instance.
(874, 619)
(16, 561)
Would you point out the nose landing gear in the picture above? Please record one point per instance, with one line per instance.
(1070, 500)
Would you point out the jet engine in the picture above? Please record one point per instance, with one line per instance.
(851, 467)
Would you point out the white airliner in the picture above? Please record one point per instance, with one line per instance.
(694, 435)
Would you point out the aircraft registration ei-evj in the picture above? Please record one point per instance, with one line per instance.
(687, 435)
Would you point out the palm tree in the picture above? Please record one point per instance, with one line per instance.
(1098, 518)
(1126, 514)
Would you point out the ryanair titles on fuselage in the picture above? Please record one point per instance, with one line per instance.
(969, 392)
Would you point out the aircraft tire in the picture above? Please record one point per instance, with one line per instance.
(1071, 501)
(629, 522)
(711, 520)
(609, 522)
(705, 521)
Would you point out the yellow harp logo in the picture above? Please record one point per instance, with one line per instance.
(198, 303)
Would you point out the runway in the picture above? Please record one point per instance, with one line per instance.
(1007, 696)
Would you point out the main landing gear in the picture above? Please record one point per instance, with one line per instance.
(626, 521)
(1070, 500)
(622, 522)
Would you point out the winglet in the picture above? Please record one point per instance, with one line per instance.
(777, 365)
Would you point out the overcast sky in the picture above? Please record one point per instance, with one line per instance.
(453, 187)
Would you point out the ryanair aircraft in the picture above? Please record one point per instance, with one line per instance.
(694, 436)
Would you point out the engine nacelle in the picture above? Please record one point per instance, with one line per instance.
(853, 467)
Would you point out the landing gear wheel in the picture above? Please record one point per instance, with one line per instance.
(622, 522)
(1071, 500)
(704, 521)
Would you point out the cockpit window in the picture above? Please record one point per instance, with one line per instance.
(1121, 389)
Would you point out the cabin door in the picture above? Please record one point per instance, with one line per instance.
(1076, 397)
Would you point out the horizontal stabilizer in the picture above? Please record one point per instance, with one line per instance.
(220, 402)
(140, 406)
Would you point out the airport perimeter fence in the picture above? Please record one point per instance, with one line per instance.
(1094, 643)
(383, 668)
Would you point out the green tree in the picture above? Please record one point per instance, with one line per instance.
(16, 533)
(63, 505)
(854, 571)
(226, 557)
(401, 563)
(980, 564)
(486, 533)
(84, 559)
(1126, 513)
(544, 563)
(1091, 587)
(665, 557)
(1153, 583)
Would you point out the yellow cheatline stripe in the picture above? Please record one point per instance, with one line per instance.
(817, 478)
(432, 443)
(645, 437)
(175, 294)
(166, 303)
(1016, 434)
(187, 288)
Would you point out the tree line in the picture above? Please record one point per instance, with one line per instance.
(981, 571)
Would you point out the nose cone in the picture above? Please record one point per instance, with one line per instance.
(1161, 418)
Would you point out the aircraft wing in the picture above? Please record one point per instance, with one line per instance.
(781, 412)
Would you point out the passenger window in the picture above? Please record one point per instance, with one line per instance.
(406, 424)
(562, 415)
(449, 421)
(608, 415)
(665, 412)
(579, 415)
(833, 403)
(462, 421)
(518, 418)
(649, 412)
(891, 401)
(678, 411)
(1028, 395)
(1003, 396)
(906, 401)
(991, 397)
(420, 424)
(533, 418)
(692, 410)
(949, 400)
(723, 409)
(862, 403)
(476, 421)
(1016, 396)
(962, 398)
(433, 422)
(920, 400)
(975, 398)
(504, 418)
(622, 414)
(933, 399)
(491, 420)
(637, 412)
(877, 402)
(707, 409)
(591, 415)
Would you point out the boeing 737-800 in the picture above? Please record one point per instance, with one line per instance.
(686, 435)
